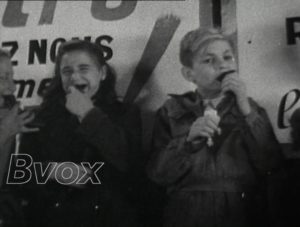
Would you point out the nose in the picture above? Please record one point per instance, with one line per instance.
(75, 77)
(222, 64)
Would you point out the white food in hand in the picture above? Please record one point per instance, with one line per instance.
(209, 111)
(213, 114)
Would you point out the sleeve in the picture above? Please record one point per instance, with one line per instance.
(172, 155)
(116, 140)
(264, 149)
(5, 151)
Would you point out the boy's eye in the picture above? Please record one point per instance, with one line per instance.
(84, 69)
(228, 58)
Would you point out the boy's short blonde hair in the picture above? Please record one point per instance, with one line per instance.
(194, 40)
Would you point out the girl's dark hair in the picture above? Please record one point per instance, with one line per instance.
(55, 93)
(295, 129)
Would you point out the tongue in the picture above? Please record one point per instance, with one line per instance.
(80, 87)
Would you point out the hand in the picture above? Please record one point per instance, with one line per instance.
(68, 173)
(234, 84)
(205, 126)
(12, 122)
(78, 103)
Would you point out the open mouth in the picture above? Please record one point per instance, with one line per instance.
(224, 74)
(81, 87)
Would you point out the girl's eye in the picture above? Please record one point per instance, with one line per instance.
(67, 73)
(207, 60)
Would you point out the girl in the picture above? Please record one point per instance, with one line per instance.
(83, 122)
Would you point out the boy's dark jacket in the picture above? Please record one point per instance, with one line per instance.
(240, 161)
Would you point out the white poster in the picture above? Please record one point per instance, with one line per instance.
(269, 56)
(140, 40)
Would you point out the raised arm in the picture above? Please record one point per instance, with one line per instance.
(115, 139)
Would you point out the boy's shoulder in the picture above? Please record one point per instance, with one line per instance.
(178, 99)
(254, 104)
(177, 104)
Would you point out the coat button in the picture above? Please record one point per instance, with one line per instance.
(24, 203)
(243, 194)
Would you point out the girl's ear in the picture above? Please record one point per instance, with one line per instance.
(103, 72)
(187, 73)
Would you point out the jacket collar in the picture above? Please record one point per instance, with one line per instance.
(187, 103)
(192, 102)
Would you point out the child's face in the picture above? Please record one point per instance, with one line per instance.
(80, 70)
(209, 63)
(7, 86)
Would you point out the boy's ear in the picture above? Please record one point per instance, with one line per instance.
(187, 73)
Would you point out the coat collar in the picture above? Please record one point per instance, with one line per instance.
(192, 103)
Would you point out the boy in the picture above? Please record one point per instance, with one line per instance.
(213, 147)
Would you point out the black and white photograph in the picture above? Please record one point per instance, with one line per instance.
(150, 113)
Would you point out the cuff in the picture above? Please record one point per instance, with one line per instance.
(195, 145)
(251, 117)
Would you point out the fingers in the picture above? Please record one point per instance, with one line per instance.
(4, 113)
(231, 78)
(206, 134)
(15, 109)
(208, 131)
(24, 129)
(23, 119)
(26, 115)
(74, 93)
(72, 89)
(28, 119)
(209, 122)
(205, 126)
(232, 82)
(230, 87)
(212, 125)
